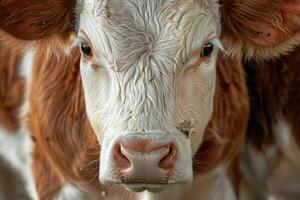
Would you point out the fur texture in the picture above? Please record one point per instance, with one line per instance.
(261, 29)
(273, 130)
(33, 20)
(11, 83)
(66, 148)
(61, 150)
(15, 142)
(148, 68)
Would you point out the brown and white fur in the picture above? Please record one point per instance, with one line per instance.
(15, 141)
(58, 122)
(63, 175)
(269, 162)
(270, 159)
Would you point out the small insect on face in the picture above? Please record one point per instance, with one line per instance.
(148, 72)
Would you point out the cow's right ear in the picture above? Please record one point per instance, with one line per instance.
(260, 29)
(36, 19)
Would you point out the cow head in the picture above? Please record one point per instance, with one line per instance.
(148, 71)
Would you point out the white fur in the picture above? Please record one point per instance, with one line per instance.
(16, 149)
(77, 192)
(286, 142)
(70, 192)
(146, 196)
(25, 70)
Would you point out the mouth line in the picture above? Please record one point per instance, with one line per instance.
(146, 184)
(137, 183)
(140, 187)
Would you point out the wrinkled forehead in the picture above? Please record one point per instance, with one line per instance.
(148, 25)
(143, 11)
(99, 5)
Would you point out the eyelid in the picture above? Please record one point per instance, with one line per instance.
(82, 35)
(195, 56)
(81, 39)
(211, 37)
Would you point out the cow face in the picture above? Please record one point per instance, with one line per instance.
(148, 71)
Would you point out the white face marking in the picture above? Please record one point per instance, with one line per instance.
(146, 72)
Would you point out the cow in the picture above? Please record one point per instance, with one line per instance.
(147, 86)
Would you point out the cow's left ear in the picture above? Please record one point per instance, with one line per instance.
(260, 29)
(36, 19)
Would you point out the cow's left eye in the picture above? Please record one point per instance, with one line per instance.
(207, 49)
(86, 49)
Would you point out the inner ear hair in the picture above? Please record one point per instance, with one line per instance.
(261, 29)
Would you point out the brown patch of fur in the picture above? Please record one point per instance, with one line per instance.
(11, 83)
(36, 19)
(261, 28)
(225, 131)
(274, 92)
(64, 140)
(47, 182)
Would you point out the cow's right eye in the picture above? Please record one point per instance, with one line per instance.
(207, 50)
(86, 49)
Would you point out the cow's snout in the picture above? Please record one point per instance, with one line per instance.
(132, 158)
(142, 158)
(145, 161)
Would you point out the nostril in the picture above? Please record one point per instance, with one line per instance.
(168, 161)
(119, 159)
